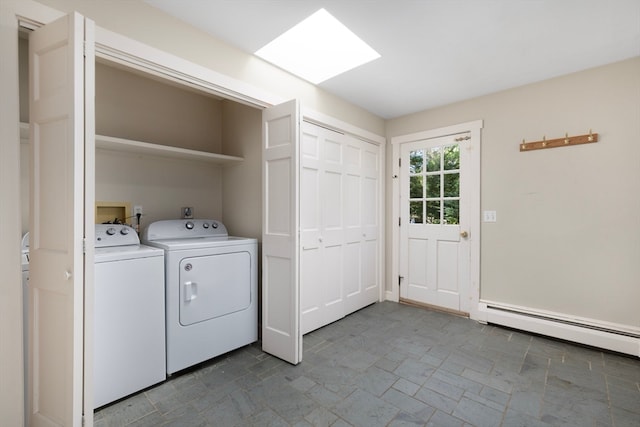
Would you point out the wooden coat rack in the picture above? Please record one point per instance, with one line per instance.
(559, 142)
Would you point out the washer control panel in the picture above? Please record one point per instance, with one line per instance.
(115, 235)
(184, 229)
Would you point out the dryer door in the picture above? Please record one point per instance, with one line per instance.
(214, 285)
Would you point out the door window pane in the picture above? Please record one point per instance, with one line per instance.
(433, 186)
(452, 212)
(415, 212)
(433, 212)
(433, 159)
(416, 189)
(415, 161)
(452, 157)
(452, 184)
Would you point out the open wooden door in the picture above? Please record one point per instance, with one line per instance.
(281, 335)
(57, 223)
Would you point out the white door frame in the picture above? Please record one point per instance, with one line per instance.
(474, 129)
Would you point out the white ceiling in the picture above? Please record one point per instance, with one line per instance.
(435, 52)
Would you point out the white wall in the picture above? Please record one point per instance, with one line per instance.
(567, 237)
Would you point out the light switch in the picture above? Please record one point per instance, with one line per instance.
(489, 216)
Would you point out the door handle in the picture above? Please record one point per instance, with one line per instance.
(190, 291)
(464, 234)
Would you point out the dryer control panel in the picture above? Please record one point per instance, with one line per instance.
(184, 229)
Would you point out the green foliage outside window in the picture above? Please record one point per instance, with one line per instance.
(434, 185)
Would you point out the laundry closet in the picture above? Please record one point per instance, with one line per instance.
(165, 140)
(160, 146)
(139, 122)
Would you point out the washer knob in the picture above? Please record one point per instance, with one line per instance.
(124, 231)
(189, 225)
(214, 224)
(205, 225)
(111, 231)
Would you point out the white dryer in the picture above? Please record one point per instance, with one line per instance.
(129, 326)
(211, 289)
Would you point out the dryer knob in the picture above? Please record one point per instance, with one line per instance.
(214, 224)
(205, 225)
(124, 231)
(189, 225)
(111, 231)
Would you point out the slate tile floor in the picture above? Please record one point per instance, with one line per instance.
(397, 365)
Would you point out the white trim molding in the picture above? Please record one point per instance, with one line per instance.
(118, 49)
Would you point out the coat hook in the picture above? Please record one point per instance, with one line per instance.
(590, 138)
(566, 137)
(523, 146)
(544, 140)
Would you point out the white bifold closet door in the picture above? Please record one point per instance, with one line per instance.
(339, 225)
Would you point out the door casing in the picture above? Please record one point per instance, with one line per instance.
(473, 128)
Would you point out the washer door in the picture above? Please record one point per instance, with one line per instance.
(214, 285)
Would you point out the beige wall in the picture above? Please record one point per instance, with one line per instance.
(141, 22)
(242, 183)
(11, 374)
(134, 107)
(567, 238)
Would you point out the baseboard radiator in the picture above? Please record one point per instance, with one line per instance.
(609, 336)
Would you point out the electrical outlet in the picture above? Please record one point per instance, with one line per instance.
(187, 212)
(137, 209)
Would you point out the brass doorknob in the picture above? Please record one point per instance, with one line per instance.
(464, 234)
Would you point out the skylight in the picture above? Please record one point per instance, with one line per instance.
(318, 48)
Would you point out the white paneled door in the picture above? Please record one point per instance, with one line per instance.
(320, 232)
(434, 222)
(339, 225)
(322, 252)
(57, 113)
(280, 221)
(362, 224)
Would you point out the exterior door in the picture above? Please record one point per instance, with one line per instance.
(281, 335)
(57, 267)
(434, 222)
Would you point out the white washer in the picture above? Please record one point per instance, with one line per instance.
(211, 289)
(129, 340)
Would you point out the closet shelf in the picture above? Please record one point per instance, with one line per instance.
(139, 147)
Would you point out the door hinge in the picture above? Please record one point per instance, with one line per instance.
(400, 278)
(399, 221)
(84, 245)
(399, 162)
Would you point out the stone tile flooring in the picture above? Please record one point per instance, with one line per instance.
(396, 365)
